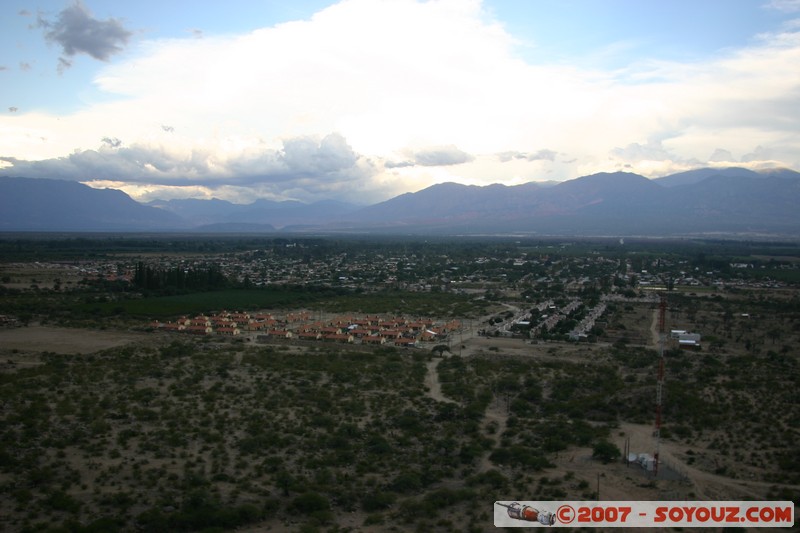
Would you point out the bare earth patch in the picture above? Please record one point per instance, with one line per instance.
(64, 340)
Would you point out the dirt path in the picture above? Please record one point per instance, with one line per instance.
(654, 330)
(432, 382)
(496, 415)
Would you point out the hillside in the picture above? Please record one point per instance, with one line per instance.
(57, 205)
(735, 202)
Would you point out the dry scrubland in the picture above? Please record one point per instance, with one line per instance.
(177, 434)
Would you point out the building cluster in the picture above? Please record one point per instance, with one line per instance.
(581, 331)
(416, 267)
(555, 315)
(370, 329)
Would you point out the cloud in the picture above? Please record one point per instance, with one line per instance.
(787, 6)
(652, 151)
(256, 109)
(13, 109)
(720, 155)
(111, 142)
(760, 153)
(541, 155)
(433, 156)
(303, 168)
(77, 32)
(441, 156)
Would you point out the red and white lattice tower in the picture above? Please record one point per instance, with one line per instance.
(662, 339)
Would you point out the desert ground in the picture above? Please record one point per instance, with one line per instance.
(574, 474)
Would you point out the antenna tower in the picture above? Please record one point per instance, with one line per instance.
(662, 339)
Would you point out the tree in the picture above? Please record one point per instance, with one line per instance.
(440, 348)
(605, 451)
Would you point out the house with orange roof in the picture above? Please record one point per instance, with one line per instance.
(339, 337)
(362, 332)
(405, 342)
(198, 329)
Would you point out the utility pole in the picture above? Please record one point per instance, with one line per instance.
(662, 338)
(598, 486)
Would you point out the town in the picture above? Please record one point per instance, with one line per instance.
(186, 382)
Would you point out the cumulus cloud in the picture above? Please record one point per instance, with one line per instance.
(304, 168)
(720, 155)
(761, 153)
(78, 32)
(651, 151)
(255, 109)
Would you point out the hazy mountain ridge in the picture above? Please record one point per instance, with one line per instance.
(58, 205)
(215, 212)
(701, 201)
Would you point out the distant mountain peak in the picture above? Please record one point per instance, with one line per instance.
(734, 201)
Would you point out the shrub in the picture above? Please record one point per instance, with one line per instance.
(605, 451)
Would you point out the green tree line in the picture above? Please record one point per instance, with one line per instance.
(156, 279)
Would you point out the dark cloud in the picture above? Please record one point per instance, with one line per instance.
(77, 32)
(112, 142)
(303, 168)
(541, 155)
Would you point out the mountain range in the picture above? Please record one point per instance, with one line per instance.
(732, 201)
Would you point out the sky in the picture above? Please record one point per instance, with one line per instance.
(363, 100)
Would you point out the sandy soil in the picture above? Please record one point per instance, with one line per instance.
(64, 340)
